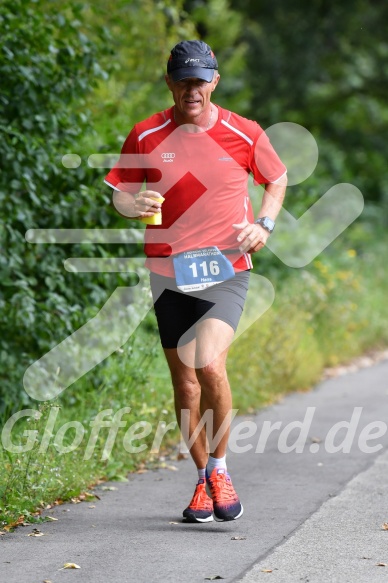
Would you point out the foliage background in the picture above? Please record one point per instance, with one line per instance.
(75, 77)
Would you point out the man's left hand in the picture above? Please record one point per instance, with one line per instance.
(252, 237)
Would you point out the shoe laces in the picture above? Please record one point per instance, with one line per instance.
(200, 498)
(222, 488)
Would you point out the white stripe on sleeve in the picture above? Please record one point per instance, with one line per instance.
(111, 185)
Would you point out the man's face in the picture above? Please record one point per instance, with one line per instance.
(192, 95)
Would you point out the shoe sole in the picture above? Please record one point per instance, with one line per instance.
(231, 518)
(193, 519)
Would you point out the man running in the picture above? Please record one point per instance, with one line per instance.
(195, 159)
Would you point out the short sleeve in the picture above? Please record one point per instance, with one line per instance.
(266, 165)
(120, 177)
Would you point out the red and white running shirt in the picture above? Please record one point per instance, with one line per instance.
(203, 177)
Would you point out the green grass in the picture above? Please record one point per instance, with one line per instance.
(322, 315)
(135, 378)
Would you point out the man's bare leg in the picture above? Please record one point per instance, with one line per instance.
(198, 372)
(213, 340)
(187, 397)
(204, 385)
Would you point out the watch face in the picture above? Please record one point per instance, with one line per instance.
(268, 223)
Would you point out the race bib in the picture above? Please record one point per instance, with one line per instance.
(201, 268)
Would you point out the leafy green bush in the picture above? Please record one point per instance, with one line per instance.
(48, 65)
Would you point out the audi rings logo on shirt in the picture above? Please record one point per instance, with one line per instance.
(168, 156)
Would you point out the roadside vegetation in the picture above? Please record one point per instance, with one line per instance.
(83, 75)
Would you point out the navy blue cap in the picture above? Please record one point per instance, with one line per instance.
(192, 58)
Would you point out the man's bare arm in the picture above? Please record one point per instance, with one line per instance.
(253, 237)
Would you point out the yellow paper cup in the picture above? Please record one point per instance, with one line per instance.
(156, 219)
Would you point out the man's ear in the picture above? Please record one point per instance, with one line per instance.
(168, 81)
(216, 78)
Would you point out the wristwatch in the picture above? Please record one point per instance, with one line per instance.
(267, 223)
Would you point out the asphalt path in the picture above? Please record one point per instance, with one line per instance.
(314, 515)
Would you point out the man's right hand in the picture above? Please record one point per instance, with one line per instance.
(137, 206)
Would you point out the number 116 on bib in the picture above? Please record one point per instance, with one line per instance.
(204, 268)
(201, 268)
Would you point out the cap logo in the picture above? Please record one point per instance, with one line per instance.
(192, 61)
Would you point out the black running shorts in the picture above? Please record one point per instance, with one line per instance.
(177, 311)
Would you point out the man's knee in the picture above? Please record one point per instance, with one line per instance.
(212, 374)
(187, 388)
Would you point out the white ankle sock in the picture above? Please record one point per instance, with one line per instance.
(215, 462)
(202, 474)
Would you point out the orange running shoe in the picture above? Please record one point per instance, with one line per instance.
(200, 508)
(227, 505)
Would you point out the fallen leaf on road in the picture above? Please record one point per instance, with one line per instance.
(173, 523)
(70, 566)
(47, 581)
(92, 506)
(17, 522)
(51, 518)
(2, 533)
(266, 570)
(165, 466)
(110, 488)
(213, 577)
(36, 532)
(182, 456)
(238, 538)
(384, 526)
(382, 564)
